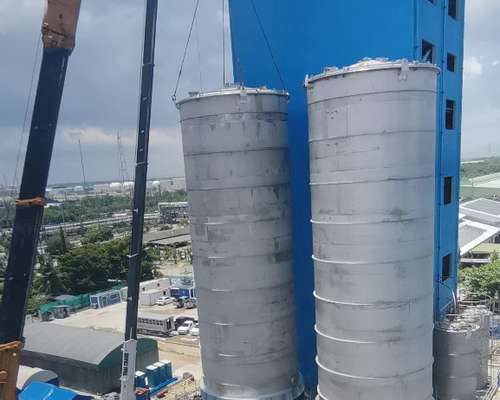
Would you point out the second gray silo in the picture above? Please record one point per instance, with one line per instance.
(235, 155)
(372, 138)
(457, 367)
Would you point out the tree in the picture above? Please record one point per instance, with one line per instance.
(84, 269)
(96, 235)
(34, 302)
(58, 245)
(92, 267)
(494, 256)
(47, 279)
(481, 281)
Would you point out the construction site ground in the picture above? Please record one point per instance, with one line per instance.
(183, 350)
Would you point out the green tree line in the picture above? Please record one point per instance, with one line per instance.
(486, 167)
(481, 281)
(92, 207)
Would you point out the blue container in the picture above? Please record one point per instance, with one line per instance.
(167, 365)
(140, 379)
(153, 376)
(161, 371)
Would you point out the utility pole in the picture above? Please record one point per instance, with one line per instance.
(141, 169)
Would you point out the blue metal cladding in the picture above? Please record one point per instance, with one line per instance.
(307, 35)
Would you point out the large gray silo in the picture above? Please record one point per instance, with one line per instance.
(235, 154)
(372, 140)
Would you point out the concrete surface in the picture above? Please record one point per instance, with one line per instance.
(183, 351)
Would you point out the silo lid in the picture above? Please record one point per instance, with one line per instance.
(232, 90)
(370, 64)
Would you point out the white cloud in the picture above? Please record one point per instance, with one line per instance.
(92, 135)
(472, 67)
(495, 63)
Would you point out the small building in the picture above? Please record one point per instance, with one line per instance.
(173, 211)
(483, 254)
(103, 299)
(183, 291)
(482, 210)
(84, 359)
(149, 297)
(472, 235)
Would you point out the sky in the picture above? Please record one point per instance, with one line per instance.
(102, 85)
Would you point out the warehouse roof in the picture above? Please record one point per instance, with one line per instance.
(172, 240)
(160, 235)
(482, 210)
(84, 345)
(471, 234)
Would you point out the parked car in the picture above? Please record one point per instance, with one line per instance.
(195, 331)
(185, 327)
(179, 320)
(164, 300)
(181, 301)
(190, 303)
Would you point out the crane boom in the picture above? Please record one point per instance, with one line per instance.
(141, 171)
(58, 36)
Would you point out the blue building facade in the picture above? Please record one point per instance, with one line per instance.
(277, 42)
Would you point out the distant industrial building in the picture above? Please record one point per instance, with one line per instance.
(173, 237)
(173, 211)
(479, 231)
(481, 186)
(84, 359)
(482, 210)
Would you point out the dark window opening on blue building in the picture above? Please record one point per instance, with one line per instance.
(448, 190)
(452, 8)
(427, 51)
(450, 62)
(446, 267)
(450, 114)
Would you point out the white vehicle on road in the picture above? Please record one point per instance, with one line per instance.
(185, 327)
(164, 300)
(195, 331)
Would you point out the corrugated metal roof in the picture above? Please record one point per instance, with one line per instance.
(84, 345)
(471, 234)
(482, 210)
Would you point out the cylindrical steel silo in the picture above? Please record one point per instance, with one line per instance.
(457, 360)
(372, 139)
(235, 154)
(481, 315)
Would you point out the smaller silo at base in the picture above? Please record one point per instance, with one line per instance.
(481, 315)
(235, 146)
(457, 356)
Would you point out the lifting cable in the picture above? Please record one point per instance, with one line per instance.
(174, 96)
(197, 33)
(223, 44)
(268, 44)
(38, 46)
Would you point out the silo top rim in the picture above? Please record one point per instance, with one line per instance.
(232, 90)
(370, 64)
